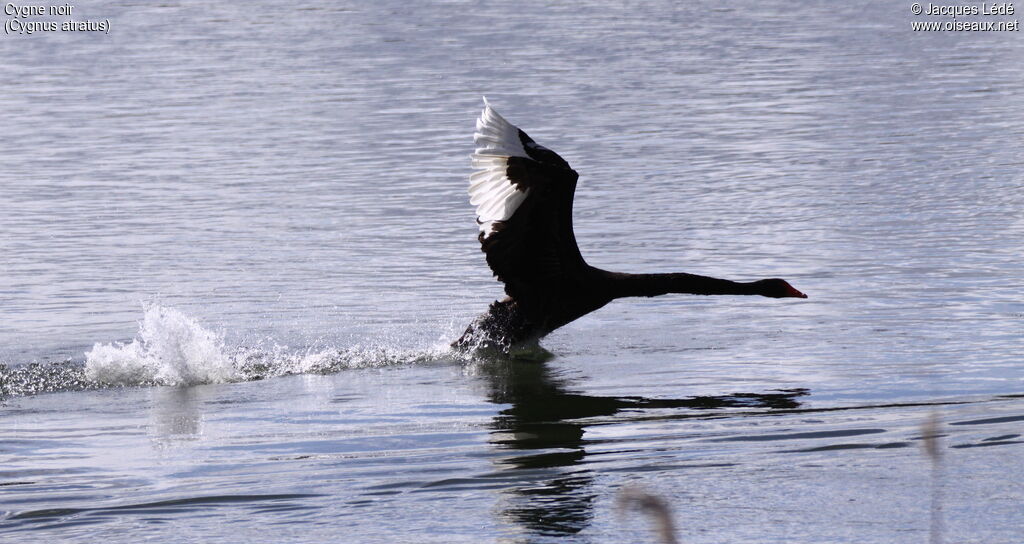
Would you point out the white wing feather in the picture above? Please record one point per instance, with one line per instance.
(490, 190)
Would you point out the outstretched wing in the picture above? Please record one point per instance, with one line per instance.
(523, 196)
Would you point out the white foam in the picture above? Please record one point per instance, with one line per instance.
(171, 349)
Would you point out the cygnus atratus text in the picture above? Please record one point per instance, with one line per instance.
(523, 196)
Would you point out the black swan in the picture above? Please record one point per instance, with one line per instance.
(523, 196)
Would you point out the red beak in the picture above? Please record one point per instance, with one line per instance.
(792, 292)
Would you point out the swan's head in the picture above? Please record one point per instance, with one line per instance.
(777, 288)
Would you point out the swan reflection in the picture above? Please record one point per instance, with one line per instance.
(541, 436)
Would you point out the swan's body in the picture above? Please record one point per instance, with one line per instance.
(523, 194)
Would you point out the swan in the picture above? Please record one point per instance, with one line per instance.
(523, 196)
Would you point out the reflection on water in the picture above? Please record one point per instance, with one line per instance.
(175, 415)
(543, 433)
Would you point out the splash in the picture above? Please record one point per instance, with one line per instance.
(174, 349)
(171, 349)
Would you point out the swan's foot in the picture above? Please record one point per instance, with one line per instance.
(503, 329)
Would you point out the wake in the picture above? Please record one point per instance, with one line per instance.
(174, 349)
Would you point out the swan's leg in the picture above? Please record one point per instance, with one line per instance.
(500, 328)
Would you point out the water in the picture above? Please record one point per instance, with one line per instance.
(245, 228)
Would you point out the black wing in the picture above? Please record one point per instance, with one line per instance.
(523, 193)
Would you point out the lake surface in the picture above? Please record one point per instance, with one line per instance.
(235, 242)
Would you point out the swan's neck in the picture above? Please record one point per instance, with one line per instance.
(650, 285)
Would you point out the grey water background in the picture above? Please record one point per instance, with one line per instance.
(287, 181)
